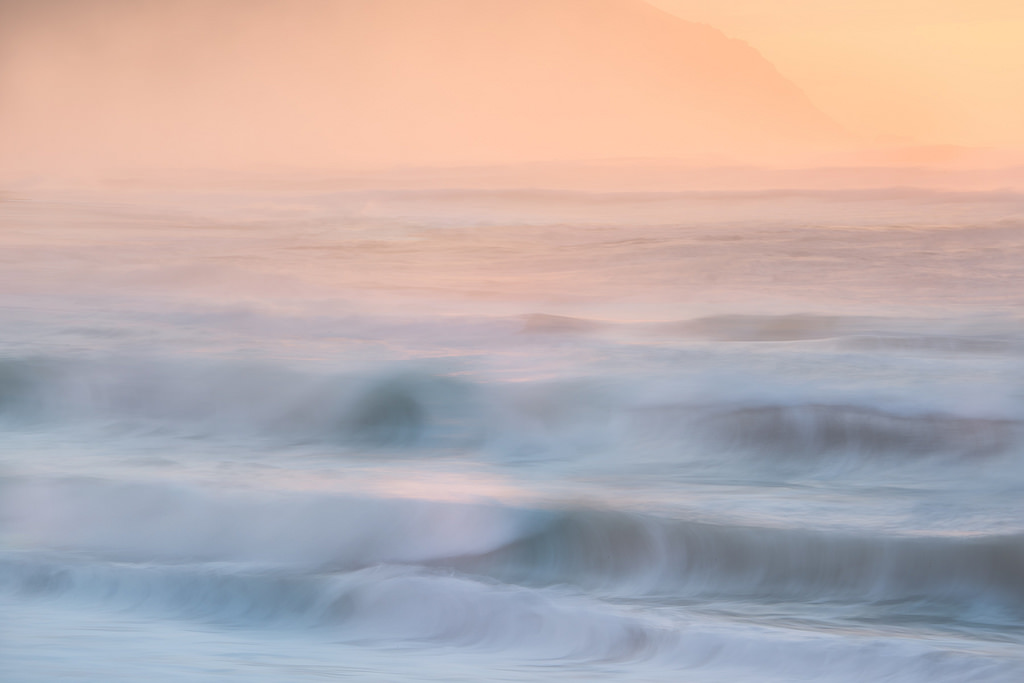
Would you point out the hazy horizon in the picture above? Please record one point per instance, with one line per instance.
(100, 87)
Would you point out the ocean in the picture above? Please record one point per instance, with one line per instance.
(511, 435)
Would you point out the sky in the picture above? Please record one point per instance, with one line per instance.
(316, 83)
(913, 72)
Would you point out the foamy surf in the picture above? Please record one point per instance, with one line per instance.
(243, 439)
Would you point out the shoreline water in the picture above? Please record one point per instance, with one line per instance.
(478, 436)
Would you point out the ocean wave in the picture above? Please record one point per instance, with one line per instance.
(603, 551)
(393, 606)
(143, 522)
(689, 420)
(369, 606)
(390, 408)
(803, 432)
(859, 333)
(628, 554)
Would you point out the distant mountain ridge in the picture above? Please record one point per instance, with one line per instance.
(385, 82)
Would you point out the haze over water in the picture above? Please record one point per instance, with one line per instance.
(332, 360)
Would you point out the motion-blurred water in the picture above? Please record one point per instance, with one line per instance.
(464, 436)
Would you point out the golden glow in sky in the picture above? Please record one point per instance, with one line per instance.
(894, 71)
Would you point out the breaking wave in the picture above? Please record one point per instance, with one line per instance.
(404, 606)
(606, 552)
(412, 411)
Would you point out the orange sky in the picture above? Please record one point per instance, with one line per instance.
(315, 83)
(334, 83)
(895, 71)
